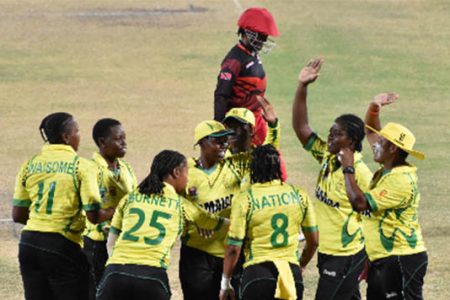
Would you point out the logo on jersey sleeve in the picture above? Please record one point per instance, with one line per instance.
(225, 76)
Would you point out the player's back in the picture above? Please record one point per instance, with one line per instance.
(275, 213)
(52, 181)
(149, 226)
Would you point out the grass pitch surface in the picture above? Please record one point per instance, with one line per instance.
(153, 65)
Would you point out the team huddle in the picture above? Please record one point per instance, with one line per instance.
(92, 231)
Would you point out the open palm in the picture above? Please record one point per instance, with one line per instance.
(311, 71)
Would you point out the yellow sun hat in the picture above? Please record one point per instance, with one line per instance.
(210, 128)
(401, 137)
(241, 114)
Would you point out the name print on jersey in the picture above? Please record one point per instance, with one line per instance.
(275, 200)
(154, 200)
(322, 196)
(218, 204)
(51, 167)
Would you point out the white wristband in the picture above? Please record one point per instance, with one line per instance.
(225, 284)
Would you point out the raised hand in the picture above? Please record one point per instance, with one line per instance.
(311, 71)
(268, 112)
(384, 99)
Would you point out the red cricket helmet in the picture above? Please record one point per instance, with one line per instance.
(258, 19)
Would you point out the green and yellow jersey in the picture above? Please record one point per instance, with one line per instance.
(339, 226)
(56, 185)
(393, 228)
(269, 217)
(114, 185)
(148, 226)
(215, 189)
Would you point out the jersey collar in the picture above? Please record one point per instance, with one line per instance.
(242, 47)
(58, 147)
(400, 169)
(99, 159)
(169, 189)
(276, 182)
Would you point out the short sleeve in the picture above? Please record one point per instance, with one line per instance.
(21, 197)
(393, 191)
(273, 135)
(89, 189)
(238, 219)
(196, 214)
(309, 222)
(317, 147)
(229, 71)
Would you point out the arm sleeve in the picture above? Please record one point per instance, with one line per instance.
(229, 71)
(238, 220)
(240, 163)
(203, 219)
(309, 222)
(394, 191)
(89, 190)
(317, 147)
(116, 222)
(21, 197)
(273, 135)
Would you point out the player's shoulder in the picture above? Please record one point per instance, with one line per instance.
(85, 165)
(125, 164)
(297, 191)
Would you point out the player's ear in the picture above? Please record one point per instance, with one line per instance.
(65, 138)
(101, 142)
(352, 145)
(251, 130)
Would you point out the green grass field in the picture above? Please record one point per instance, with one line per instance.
(156, 72)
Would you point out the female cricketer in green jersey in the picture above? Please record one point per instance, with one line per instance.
(341, 255)
(394, 243)
(268, 217)
(213, 183)
(144, 229)
(116, 179)
(52, 189)
(214, 180)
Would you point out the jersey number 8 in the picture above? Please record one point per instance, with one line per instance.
(279, 229)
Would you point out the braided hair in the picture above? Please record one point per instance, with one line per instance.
(265, 165)
(354, 128)
(102, 129)
(54, 125)
(163, 165)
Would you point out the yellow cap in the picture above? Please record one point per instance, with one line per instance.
(209, 128)
(242, 115)
(400, 136)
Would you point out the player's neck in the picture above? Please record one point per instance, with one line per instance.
(204, 163)
(112, 162)
(393, 163)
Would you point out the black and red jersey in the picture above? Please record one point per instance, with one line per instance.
(241, 78)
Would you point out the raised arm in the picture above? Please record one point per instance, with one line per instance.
(268, 112)
(373, 114)
(299, 110)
